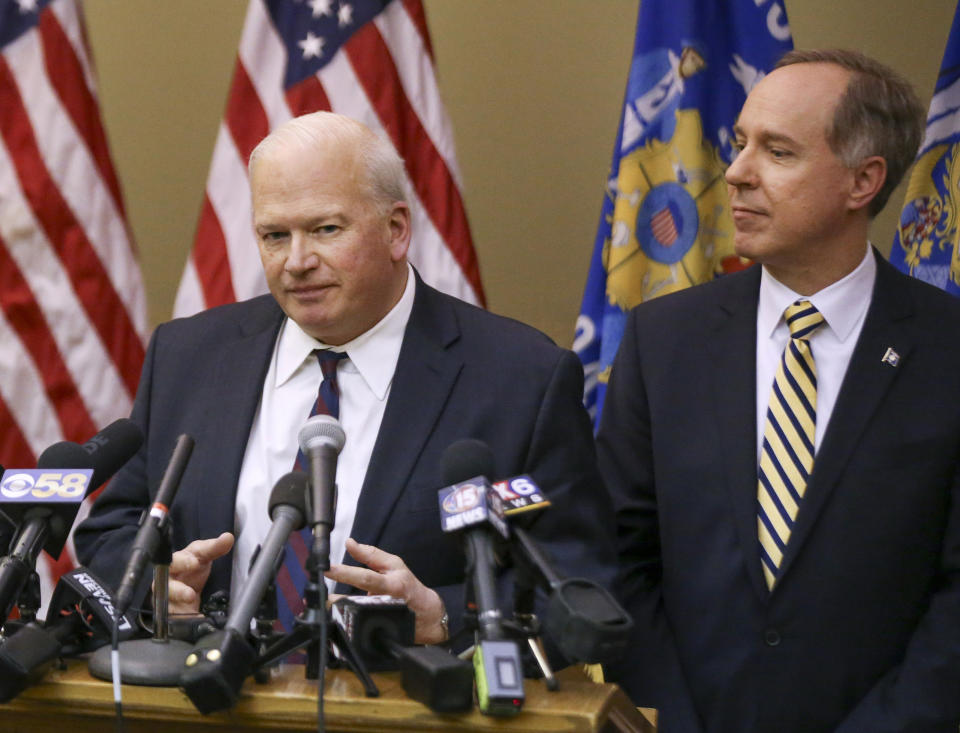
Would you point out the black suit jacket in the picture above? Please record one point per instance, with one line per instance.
(862, 631)
(462, 372)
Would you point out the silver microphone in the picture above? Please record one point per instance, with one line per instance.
(321, 439)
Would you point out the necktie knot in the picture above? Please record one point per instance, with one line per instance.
(329, 360)
(802, 319)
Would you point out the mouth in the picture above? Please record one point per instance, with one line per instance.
(307, 292)
(744, 213)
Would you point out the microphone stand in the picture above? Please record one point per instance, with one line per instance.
(158, 660)
(313, 629)
(525, 624)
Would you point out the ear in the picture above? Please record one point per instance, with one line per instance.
(399, 224)
(868, 179)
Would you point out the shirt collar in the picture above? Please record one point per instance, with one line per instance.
(842, 303)
(374, 353)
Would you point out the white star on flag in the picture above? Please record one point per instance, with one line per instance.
(345, 15)
(312, 46)
(27, 6)
(321, 7)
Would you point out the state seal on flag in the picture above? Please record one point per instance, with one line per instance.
(667, 223)
(671, 223)
(929, 229)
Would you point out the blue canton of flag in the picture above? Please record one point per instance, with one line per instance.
(665, 223)
(313, 31)
(17, 17)
(926, 242)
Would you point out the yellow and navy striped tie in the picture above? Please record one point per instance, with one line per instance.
(786, 460)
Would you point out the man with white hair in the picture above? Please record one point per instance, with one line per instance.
(417, 371)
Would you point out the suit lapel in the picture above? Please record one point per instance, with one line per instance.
(234, 395)
(425, 375)
(735, 368)
(867, 380)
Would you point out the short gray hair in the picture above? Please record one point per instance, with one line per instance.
(385, 177)
(877, 114)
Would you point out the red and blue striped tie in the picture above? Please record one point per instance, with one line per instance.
(292, 576)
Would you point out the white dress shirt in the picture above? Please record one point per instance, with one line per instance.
(289, 391)
(844, 306)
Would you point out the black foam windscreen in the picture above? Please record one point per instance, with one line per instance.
(65, 454)
(291, 490)
(105, 452)
(466, 459)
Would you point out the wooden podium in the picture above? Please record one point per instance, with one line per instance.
(71, 701)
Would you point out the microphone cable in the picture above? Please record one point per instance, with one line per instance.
(115, 670)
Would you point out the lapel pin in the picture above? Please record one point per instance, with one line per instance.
(891, 357)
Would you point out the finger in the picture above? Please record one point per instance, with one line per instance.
(373, 557)
(183, 562)
(364, 579)
(208, 550)
(182, 598)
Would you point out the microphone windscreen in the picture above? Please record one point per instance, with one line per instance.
(65, 454)
(111, 448)
(466, 459)
(290, 490)
(322, 428)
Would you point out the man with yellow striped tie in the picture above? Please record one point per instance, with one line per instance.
(783, 444)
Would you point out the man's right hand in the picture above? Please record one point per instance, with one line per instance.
(190, 568)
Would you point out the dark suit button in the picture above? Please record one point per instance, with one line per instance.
(771, 637)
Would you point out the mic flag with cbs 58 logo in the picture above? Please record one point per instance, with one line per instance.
(59, 492)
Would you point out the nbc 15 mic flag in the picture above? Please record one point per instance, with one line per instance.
(665, 221)
(72, 304)
(926, 242)
(369, 60)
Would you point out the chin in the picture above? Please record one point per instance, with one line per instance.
(751, 248)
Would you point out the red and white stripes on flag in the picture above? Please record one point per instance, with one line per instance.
(379, 70)
(72, 307)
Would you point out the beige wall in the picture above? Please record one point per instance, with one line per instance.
(533, 88)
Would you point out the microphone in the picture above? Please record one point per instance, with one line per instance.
(215, 670)
(469, 505)
(44, 502)
(583, 618)
(54, 491)
(80, 619)
(108, 450)
(321, 439)
(154, 523)
(381, 630)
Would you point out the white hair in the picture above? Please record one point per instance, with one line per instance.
(384, 177)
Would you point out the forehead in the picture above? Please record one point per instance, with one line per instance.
(797, 100)
(301, 177)
(305, 164)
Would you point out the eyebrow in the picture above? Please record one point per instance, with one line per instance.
(334, 217)
(766, 137)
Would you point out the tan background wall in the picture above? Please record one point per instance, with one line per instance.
(533, 88)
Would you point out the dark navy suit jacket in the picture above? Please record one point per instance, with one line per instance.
(862, 631)
(462, 373)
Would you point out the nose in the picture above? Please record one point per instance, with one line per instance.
(739, 172)
(302, 256)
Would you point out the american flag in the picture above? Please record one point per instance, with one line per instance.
(72, 308)
(369, 60)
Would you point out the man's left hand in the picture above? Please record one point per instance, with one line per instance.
(387, 574)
